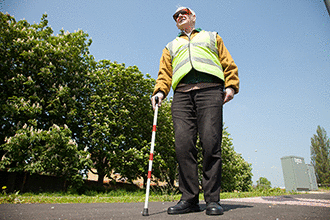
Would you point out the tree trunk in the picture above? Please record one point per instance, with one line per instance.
(24, 181)
(100, 179)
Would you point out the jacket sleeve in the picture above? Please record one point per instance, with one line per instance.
(164, 80)
(230, 69)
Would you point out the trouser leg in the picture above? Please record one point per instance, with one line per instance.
(209, 121)
(185, 130)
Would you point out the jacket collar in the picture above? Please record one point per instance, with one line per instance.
(195, 30)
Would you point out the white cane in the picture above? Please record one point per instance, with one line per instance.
(153, 136)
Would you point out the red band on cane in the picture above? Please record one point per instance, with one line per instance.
(154, 128)
(151, 156)
(149, 174)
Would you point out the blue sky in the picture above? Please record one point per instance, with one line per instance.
(281, 47)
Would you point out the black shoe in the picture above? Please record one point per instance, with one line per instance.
(183, 207)
(214, 208)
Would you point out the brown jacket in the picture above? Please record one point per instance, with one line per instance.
(230, 70)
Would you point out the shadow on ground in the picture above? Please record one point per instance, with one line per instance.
(228, 207)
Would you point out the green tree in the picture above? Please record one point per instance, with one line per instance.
(263, 182)
(51, 152)
(320, 155)
(42, 83)
(117, 120)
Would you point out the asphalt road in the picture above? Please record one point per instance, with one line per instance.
(303, 206)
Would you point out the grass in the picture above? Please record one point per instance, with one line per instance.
(119, 196)
(256, 193)
(324, 189)
(122, 196)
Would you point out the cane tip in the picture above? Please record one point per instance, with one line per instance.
(145, 212)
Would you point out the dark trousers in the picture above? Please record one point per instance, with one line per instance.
(198, 111)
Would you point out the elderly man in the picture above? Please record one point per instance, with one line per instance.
(203, 76)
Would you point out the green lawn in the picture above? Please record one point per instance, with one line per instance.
(121, 196)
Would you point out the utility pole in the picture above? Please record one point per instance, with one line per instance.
(327, 4)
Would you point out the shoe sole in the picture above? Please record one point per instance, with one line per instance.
(214, 213)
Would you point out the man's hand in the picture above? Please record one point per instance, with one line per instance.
(160, 99)
(229, 95)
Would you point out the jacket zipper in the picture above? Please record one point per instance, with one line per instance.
(190, 57)
(189, 52)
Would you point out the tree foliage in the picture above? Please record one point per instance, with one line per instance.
(51, 152)
(320, 155)
(117, 116)
(42, 75)
(42, 83)
(263, 182)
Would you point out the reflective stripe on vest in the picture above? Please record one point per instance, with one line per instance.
(201, 53)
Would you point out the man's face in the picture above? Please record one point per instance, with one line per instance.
(184, 19)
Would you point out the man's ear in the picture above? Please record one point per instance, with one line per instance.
(194, 18)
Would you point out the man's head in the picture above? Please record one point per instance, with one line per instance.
(185, 18)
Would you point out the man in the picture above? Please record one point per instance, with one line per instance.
(203, 76)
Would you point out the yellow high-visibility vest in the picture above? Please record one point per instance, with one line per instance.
(200, 53)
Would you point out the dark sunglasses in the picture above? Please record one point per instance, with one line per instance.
(183, 12)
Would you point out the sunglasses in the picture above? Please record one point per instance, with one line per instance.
(183, 12)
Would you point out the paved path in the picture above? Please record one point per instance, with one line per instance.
(304, 206)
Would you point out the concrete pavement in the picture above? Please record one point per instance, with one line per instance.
(303, 206)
